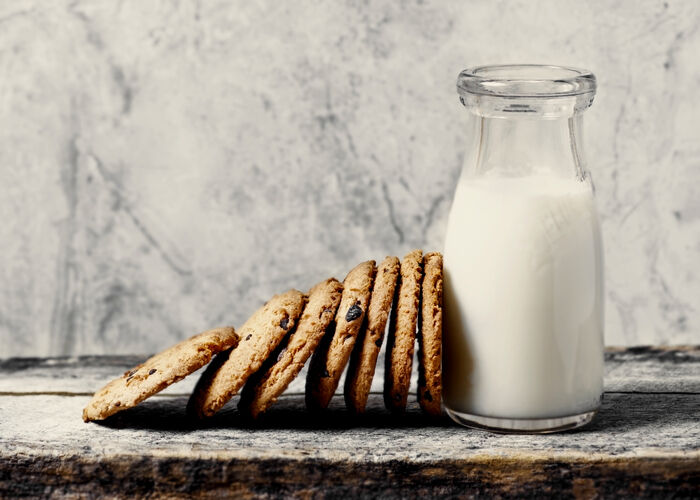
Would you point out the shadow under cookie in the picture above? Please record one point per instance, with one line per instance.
(289, 412)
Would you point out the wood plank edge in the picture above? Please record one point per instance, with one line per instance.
(638, 476)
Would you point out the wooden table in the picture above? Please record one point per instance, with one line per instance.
(644, 443)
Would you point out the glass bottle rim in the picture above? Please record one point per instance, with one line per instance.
(526, 81)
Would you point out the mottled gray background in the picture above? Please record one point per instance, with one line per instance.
(167, 166)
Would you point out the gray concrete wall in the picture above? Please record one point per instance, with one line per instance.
(167, 166)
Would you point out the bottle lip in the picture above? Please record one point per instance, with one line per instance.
(526, 81)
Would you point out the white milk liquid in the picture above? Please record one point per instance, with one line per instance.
(523, 299)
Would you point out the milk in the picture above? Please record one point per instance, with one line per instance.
(523, 299)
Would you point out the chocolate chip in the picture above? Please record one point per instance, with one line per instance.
(326, 374)
(427, 396)
(378, 342)
(354, 312)
(152, 371)
(279, 356)
(118, 403)
(284, 323)
(130, 377)
(131, 373)
(249, 335)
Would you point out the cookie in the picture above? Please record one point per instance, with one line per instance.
(364, 357)
(332, 355)
(430, 336)
(158, 372)
(402, 333)
(259, 336)
(263, 388)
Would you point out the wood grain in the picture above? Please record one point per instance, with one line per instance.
(644, 443)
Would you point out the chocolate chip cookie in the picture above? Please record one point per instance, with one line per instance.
(263, 388)
(158, 372)
(259, 336)
(332, 355)
(364, 357)
(402, 333)
(430, 336)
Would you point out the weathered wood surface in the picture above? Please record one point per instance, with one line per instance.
(642, 368)
(644, 443)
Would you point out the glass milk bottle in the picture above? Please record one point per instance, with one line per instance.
(523, 341)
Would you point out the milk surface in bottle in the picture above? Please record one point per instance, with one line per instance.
(523, 330)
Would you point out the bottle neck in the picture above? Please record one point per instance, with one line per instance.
(532, 145)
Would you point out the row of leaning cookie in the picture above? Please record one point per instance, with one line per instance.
(270, 349)
(341, 324)
(411, 290)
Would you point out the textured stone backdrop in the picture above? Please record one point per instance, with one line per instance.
(167, 166)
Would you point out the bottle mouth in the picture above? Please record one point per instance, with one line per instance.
(526, 81)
